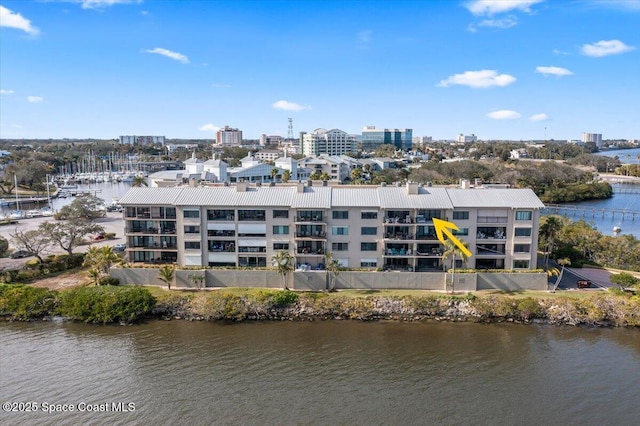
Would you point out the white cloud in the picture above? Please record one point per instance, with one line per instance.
(492, 7)
(605, 48)
(560, 52)
(504, 23)
(169, 54)
(35, 99)
(478, 79)
(209, 128)
(15, 20)
(504, 114)
(97, 4)
(539, 117)
(557, 71)
(6, 92)
(289, 106)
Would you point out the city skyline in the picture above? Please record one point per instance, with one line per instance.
(517, 70)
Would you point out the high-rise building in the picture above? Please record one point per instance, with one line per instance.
(372, 138)
(332, 142)
(467, 138)
(228, 136)
(141, 140)
(592, 137)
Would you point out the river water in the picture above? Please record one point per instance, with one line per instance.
(179, 372)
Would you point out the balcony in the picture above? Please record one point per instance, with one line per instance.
(490, 250)
(310, 232)
(309, 216)
(311, 249)
(398, 250)
(491, 233)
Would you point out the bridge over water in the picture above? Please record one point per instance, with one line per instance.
(586, 212)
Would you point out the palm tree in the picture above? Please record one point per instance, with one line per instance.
(325, 176)
(139, 181)
(332, 267)
(166, 274)
(286, 175)
(547, 232)
(282, 262)
(452, 250)
(552, 272)
(563, 262)
(274, 173)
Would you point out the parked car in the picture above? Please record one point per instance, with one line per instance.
(98, 237)
(584, 283)
(19, 254)
(119, 248)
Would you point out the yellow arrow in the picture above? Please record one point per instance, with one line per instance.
(443, 227)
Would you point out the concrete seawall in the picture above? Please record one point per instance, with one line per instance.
(316, 280)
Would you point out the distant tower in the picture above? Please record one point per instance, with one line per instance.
(290, 132)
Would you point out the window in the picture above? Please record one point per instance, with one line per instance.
(520, 264)
(461, 215)
(280, 229)
(192, 245)
(194, 214)
(191, 229)
(341, 214)
(523, 215)
(281, 214)
(369, 246)
(340, 230)
(281, 246)
(340, 246)
(220, 215)
(522, 248)
(368, 230)
(369, 215)
(367, 264)
(460, 231)
(523, 232)
(251, 215)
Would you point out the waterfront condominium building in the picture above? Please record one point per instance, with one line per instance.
(332, 142)
(592, 137)
(228, 136)
(385, 227)
(372, 138)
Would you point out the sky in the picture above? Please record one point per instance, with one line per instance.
(517, 70)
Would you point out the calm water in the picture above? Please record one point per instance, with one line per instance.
(179, 372)
(622, 155)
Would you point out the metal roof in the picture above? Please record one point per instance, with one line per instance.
(350, 196)
(495, 197)
(326, 197)
(426, 198)
(150, 196)
(313, 197)
(230, 196)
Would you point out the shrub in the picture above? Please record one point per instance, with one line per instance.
(109, 281)
(109, 235)
(24, 302)
(529, 308)
(284, 298)
(106, 304)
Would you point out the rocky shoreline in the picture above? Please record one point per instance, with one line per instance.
(600, 311)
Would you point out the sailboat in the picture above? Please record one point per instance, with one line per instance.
(16, 214)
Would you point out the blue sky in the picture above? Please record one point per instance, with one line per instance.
(518, 69)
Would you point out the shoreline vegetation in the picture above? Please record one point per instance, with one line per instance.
(126, 305)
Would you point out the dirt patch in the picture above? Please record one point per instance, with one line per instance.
(63, 281)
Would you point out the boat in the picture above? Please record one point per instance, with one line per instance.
(34, 213)
(617, 229)
(47, 212)
(16, 214)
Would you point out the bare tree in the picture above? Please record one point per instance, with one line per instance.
(33, 241)
(68, 234)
